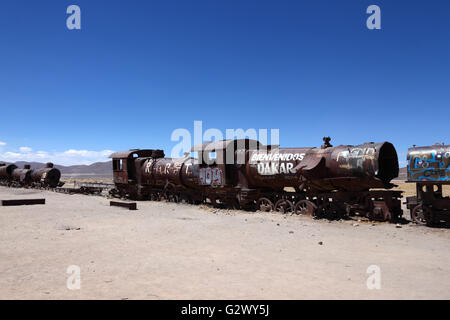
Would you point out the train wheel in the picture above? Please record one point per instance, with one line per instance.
(155, 196)
(114, 193)
(305, 207)
(284, 206)
(213, 201)
(234, 204)
(265, 205)
(329, 210)
(186, 199)
(421, 215)
(248, 205)
(172, 197)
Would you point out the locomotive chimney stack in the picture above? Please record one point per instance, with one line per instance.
(327, 143)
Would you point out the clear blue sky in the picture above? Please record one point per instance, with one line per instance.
(137, 70)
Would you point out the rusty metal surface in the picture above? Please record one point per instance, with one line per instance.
(226, 144)
(46, 177)
(22, 176)
(6, 171)
(352, 168)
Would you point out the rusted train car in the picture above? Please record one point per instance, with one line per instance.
(327, 181)
(48, 177)
(429, 168)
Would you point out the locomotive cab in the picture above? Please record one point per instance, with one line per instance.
(123, 163)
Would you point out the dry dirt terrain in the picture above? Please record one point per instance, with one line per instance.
(174, 251)
(409, 189)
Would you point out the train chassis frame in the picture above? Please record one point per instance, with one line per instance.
(378, 205)
(429, 206)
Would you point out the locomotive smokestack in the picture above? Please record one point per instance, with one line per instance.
(49, 165)
(326, 143)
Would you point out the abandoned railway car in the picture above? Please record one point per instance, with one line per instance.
(429, 168)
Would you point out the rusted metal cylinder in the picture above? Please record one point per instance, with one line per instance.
(23, 176)
(370, 159)
(6, 171)
(48, 177)
(352, 168)
(431, 163)
(190, 173)
(161, 171)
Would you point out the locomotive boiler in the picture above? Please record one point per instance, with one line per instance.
(6, 172)
(350, 168)
(23, 177)
(244, 173)
(47, 177)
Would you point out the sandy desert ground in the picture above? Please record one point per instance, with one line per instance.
(175, 251)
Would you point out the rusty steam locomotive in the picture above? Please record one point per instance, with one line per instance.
(327, 181)
(11, 176)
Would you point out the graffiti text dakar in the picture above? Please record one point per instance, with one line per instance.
(277, 156)
(271, 168)
(271, 163)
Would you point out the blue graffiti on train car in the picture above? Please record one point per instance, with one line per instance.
(429, 163)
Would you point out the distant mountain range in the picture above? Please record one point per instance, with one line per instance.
(97, 168)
